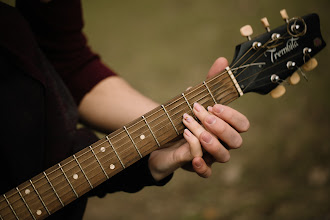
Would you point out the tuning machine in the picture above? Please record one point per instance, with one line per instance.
(246, 31)
(284, 15)
(308, 66)
(278, 92)
(265, 23)
(280, 89)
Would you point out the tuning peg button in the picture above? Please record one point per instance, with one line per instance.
(284, 15)
(246, 31)
(277, 92)
(265, 23)
(309, 65)
(294, 79)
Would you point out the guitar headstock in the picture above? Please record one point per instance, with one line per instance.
(261, 64)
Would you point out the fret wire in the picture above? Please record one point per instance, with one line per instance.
(158, 111)
(215, 102)
(189, 106)
(187, 102)
(133, 142)
(4, 195)
(145, 120)
(121, 162)
(27, 206)
(1, 217)
(176, 106)
(74, 156)
(204, 97)
(53, 189)
(42, 201)
(170, 103)
(99, 162)
(67, 179)
(170, 119)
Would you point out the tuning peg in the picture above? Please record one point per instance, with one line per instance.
(294, 79)
(284, 15)
(277, 92)
(309, 65)
(265, 23)
(246, 31)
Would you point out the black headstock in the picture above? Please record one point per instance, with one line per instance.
(262, 63)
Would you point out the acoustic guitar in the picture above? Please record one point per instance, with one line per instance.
(261, 64)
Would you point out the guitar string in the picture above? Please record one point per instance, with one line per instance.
(51, 201)
(178, 99)
(132, 132)
(150, 122)
(263, 47)
(278, 63)
(297, 54)
(100, 158)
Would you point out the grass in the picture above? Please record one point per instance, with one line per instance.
(161, 48)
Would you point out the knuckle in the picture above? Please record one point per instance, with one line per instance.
(221, 127)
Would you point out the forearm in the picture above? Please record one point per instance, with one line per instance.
(113, 103)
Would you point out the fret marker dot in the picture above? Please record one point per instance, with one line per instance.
(39, 212)
(75, 176)
(142, 137)
(103, 149)
(27, 191)
(112, 166)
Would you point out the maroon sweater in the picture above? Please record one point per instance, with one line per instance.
(46, 68)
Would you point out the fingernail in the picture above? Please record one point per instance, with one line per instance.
(209, 108)
(210, 119)
(207, 138)
(197, 107)
(187, 132)
(218, 108)
(198, 164)
(186, 117)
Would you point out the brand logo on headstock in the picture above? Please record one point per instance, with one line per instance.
(275, 54)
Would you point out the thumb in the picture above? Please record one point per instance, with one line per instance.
(219, 65)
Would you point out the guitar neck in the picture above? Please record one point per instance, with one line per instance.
(68, 180)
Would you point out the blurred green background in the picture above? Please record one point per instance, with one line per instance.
(161, 48)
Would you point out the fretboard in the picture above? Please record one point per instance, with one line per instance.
(68, 180)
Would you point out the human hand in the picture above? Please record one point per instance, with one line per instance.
(218, 123)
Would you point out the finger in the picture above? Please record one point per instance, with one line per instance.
(231, 116)
(201, 167)
(194, 144)
(218, 66)
(192, 125)
(214, 148)
(218, 127)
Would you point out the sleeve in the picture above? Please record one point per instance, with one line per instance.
(57, 26)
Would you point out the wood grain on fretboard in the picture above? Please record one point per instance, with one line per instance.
(66, 181)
